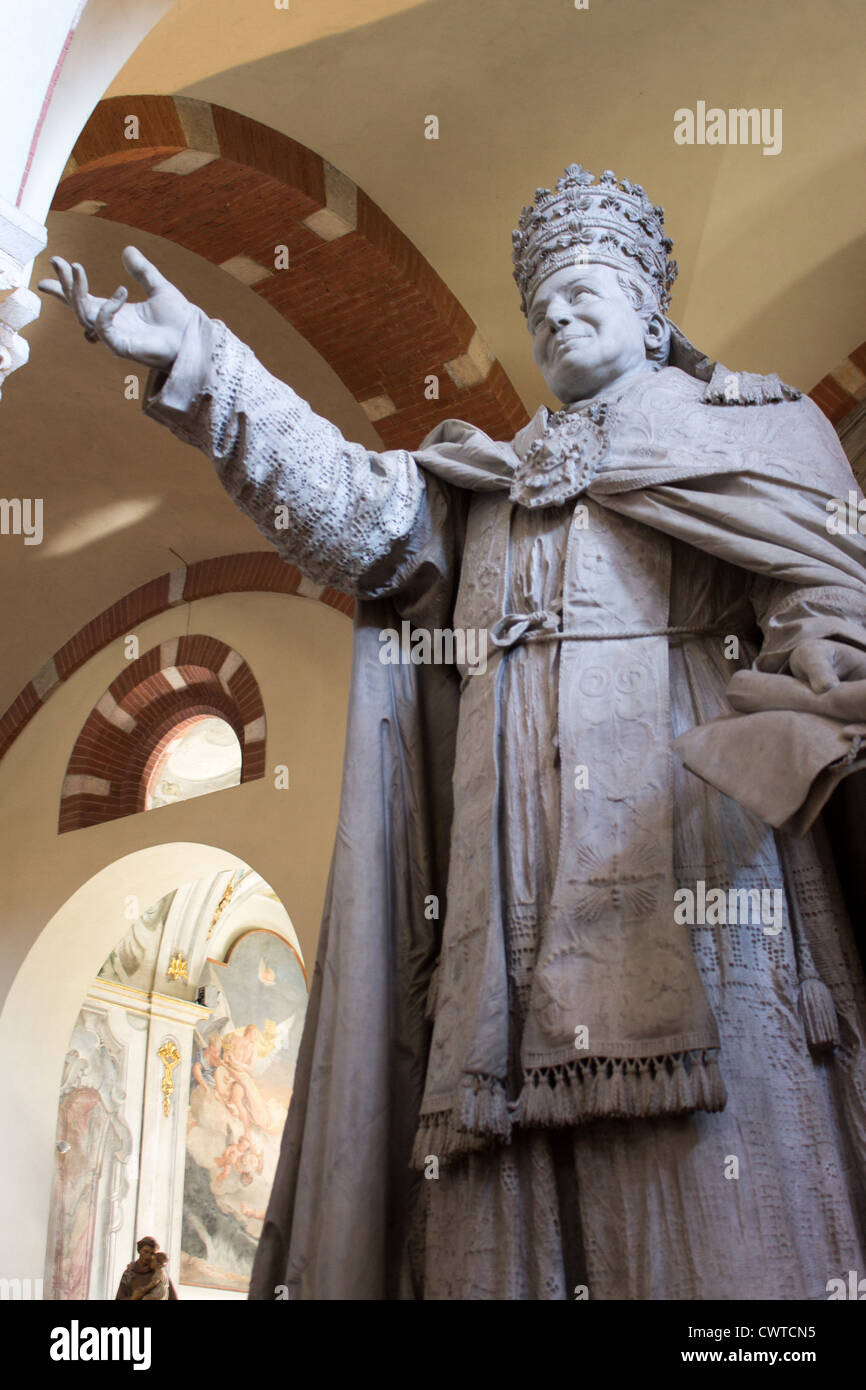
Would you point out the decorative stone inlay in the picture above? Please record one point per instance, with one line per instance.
(46, 679)
(340, 213)
(248, 271)
(849, 375)
(378, 408)
(174, 678)
(88, 207)
(79, 783)
(110, 710)
(196, 121)
(187, 162)
(176, 585)
(472, 366)
(307, 589)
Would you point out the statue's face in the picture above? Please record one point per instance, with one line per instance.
(586, 333)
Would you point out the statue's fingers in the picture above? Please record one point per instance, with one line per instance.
(81, 293)
(79, 276)
(52, 287)
(143, 270)
(105, 317)
(815, 665)
(63, 271)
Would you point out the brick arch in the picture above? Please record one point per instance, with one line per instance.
(232, 190)
(260, 571)
(165, 689)
(843, 389)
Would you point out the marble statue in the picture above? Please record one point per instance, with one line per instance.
(147, 1277)
(587, 1018)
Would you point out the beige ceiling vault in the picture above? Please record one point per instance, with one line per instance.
(771, 247)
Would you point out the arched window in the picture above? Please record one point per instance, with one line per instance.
(183, 719)
(202, 754)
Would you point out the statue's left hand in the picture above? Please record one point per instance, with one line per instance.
(823, 663)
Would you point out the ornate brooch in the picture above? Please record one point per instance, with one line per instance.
(563, 462)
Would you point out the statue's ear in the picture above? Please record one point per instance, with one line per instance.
(655, 331)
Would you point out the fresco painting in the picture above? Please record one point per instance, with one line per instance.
(240, 1089)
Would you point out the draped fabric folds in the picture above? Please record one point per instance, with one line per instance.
(746, 485)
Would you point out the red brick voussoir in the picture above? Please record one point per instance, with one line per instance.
(234, 191)
(255, 572)
(153, 699)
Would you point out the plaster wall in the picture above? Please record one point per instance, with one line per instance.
(769, 246)
(124, 501)
(64, 897)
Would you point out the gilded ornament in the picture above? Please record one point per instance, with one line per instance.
(170, 1056)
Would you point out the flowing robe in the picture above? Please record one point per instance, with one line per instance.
(762, 1199)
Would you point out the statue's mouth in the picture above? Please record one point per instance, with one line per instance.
(565, 343)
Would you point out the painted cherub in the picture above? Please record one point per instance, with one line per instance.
(246, 1161)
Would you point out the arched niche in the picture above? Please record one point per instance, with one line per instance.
(175, 1089)
(40, 1015)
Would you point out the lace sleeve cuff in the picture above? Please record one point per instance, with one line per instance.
(345, 515)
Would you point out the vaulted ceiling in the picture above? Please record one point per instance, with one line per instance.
(771, 247)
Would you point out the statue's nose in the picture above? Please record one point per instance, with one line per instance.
(558, 315)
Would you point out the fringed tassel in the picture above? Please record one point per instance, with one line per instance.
(484, 1108)
(819, 1015)
(818, 1011)
(560, 1103)
(680, 1081)
(710, 1087)
(570, 1093)
(481, 1117)
(626, 1088)
(618, 1089)
(438, 1137)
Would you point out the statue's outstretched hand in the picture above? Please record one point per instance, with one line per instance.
(149, 332)
(823, 663)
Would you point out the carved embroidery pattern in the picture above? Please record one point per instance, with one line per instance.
(563, 462)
